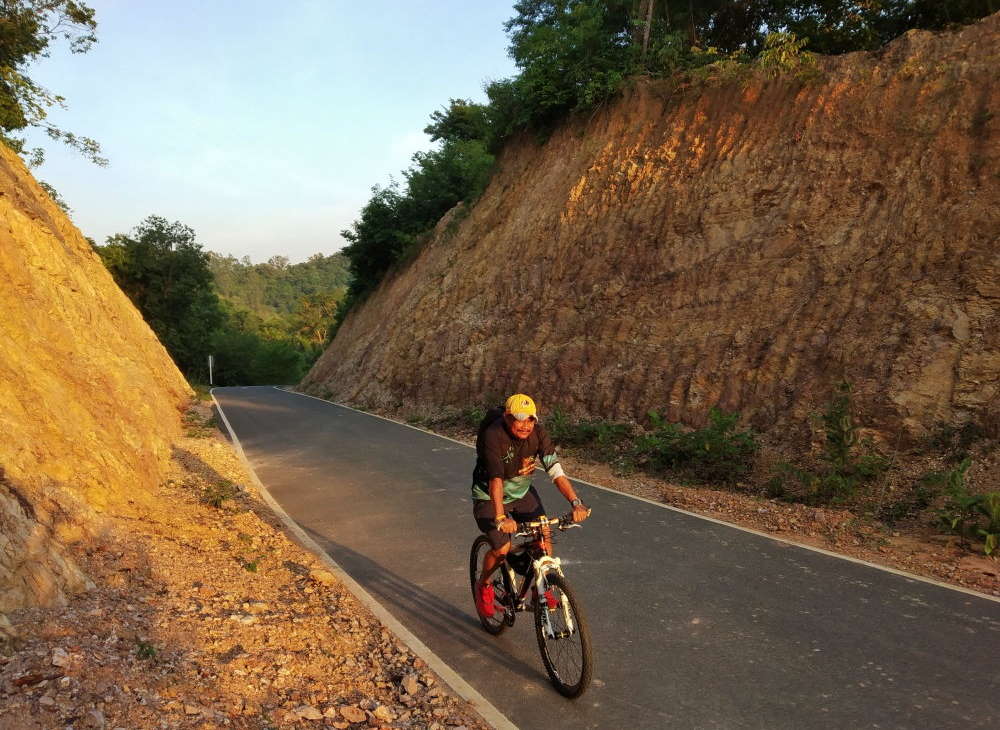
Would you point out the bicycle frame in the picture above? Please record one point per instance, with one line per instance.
(540, 567)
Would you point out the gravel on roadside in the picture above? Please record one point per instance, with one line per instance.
(207, 615)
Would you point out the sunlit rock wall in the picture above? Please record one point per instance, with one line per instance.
(741, 246)
(89, 398)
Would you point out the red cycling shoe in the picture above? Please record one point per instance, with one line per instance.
(485, 601)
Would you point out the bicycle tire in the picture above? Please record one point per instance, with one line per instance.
(499, 621)
(568, 660)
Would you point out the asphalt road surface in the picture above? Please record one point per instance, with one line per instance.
(695, 624)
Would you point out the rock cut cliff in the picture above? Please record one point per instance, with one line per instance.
(89, 398)
(742, 246)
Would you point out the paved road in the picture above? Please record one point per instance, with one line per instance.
(695, 624)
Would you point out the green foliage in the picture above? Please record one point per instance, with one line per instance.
(473, 415)
(276, 289)
(168, 277)
(27, 30)
(145, 650)
(571, 55)
(847, 462)
(165, 273)
(575, 54)
(216, 494)
(195, 426)
(462, 121)
(965, 514)
(248, 352)
(396, 220)
(783, 55)
(841, 433)
(606, 440)
(56, 197)
(718, 453)
(840, 26)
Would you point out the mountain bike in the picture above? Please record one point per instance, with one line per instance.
(531, 579)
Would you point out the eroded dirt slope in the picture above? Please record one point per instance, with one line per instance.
(89, 398)
(204, 615)
(741, 246)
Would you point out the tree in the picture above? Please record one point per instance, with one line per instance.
(462, 121)
(315, 314)
(394, 221)
(162, 269)
(27, 30)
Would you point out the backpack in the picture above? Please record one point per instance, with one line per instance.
(488, 420)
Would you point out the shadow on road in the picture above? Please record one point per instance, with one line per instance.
(431, 614)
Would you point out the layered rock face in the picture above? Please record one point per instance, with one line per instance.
(89, 398)
(742, 246)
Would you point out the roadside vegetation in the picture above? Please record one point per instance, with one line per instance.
(263, 323)
(573, 56)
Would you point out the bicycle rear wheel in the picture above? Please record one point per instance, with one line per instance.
(564, 639)
(496, 623)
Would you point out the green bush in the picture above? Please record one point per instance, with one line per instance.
(216, 494)
(846, 461)
(719, 452)
(604, 440)
(784, 55)
(968, 515)
(145, 650)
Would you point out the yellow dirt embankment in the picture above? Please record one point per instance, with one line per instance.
(89, 399)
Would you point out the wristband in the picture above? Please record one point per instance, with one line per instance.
(576, 502)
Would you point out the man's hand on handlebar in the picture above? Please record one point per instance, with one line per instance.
(507, 526)
(580, 513)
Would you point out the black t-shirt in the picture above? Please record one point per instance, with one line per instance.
(500, 455)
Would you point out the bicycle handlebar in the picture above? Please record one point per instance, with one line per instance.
(564, 522)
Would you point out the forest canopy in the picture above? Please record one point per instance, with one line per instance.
(263, 323)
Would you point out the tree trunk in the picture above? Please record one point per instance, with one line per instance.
(645, 32)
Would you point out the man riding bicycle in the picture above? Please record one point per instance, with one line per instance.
(502, 492)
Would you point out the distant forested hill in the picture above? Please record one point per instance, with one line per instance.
(276, 288)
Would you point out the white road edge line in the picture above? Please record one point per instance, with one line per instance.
(463, 689)
(769, 536)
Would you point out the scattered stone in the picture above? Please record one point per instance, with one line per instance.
(308, 712)
(411, 684)
(7, 631)
(352, 713)
(384, 713)
(191, 710)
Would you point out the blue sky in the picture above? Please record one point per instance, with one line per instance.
(261, 125)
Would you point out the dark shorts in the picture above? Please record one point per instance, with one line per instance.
(528, 507)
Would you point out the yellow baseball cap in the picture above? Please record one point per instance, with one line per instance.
(521, 406)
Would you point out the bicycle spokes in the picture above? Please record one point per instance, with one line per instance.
(563, 638)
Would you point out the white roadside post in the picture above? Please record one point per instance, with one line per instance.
(211, 361)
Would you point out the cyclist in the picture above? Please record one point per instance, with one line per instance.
(502, 492)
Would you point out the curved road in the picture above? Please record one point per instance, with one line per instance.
(695, 624)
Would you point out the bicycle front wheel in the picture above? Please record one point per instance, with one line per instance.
(496, 623)
(563, 637)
